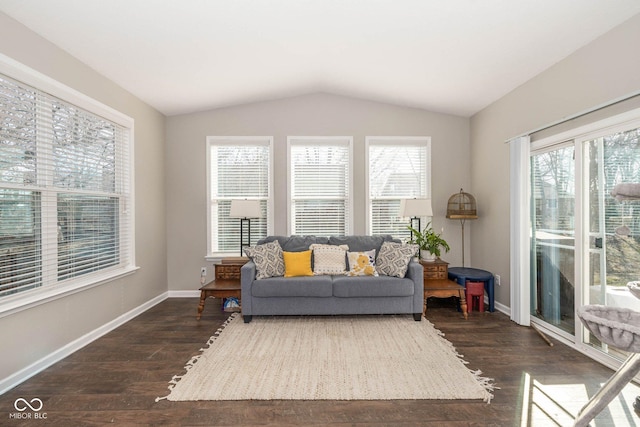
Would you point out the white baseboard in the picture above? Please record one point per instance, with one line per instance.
(13, 380)
(184, 294)
(502, 308)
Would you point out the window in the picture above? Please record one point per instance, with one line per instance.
(398, 168)
(320, 185)
(238, 168)
(65, 191)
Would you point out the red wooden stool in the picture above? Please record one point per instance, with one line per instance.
(475, 290)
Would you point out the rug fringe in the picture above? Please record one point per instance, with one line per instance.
(190, 364)
(485, 382)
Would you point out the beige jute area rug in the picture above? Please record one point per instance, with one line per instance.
(328, 358)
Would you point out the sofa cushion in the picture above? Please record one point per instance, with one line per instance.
(297, 263)
(311, 286)
(394, 258)
(362, 263)
(361, 243)
(329, 259)
(368, 286)
(268, 259)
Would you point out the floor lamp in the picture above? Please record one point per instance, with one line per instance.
(245, 210)
(415, 209)
(462, 206)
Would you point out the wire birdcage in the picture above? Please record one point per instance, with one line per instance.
(462, 206)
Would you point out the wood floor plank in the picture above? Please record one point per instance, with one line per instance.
(116, 379)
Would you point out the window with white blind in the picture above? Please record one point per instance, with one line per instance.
(237, 168)
(65, 187)
(320, 185)
(398, 168)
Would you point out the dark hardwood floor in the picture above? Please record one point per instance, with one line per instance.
(116, 379)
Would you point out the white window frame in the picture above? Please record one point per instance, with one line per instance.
(319, 141)
(49, 291)
(419, 141)
(215, 255)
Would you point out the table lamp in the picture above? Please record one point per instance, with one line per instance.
(415, 209)
(245, 210)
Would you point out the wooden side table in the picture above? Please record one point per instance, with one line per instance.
(226, 283)
(437, 284)
(444, 288)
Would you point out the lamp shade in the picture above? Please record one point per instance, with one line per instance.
(245, 209)
(415, 208)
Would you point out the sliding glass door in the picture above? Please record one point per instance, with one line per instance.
(553, 236)
(585, 227)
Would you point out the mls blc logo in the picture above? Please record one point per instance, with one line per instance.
(21, 405)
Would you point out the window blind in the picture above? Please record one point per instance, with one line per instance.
(64, 190)
(620, 153)
(239, 169)
(320, 182)
(398, 169)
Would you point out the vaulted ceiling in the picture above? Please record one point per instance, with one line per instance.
(453, 56)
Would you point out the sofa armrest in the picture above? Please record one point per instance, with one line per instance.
(415, 272)
(247, 276)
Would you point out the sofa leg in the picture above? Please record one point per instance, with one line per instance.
(417, 317)
(247, 319)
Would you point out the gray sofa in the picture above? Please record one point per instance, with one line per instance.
(331, 294)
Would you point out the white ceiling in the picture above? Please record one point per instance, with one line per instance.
(450, 56)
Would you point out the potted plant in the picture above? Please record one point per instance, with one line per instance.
(429, 241)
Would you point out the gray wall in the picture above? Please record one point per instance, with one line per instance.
(601, 71)
(310, 115)
(32, 334)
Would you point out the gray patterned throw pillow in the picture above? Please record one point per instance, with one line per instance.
(268, 259)
(394, 258)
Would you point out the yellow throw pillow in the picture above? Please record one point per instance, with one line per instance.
(297, 264)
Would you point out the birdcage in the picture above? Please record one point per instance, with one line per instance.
(462, 206)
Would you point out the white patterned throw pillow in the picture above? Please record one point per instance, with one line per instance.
(268, 259)
(394, 258)
(329, 259)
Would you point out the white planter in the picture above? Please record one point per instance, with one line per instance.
(427, 256)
